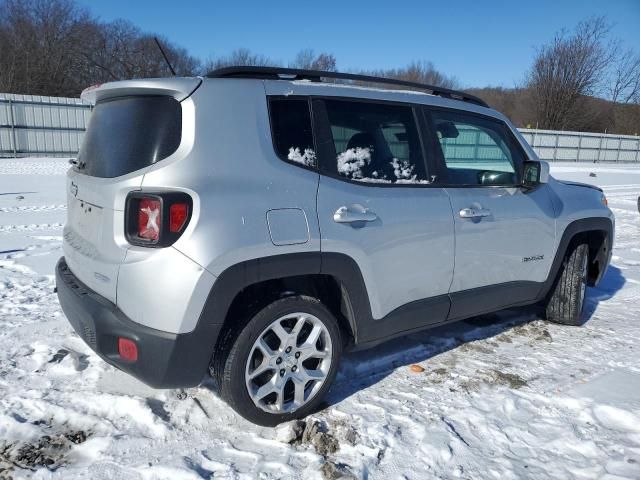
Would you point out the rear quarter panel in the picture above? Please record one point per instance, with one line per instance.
(235, 177)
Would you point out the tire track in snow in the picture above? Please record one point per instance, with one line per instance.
(33, 208)
(35, 166)
(30, 228)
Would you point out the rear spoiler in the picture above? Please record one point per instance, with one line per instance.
(176, 87)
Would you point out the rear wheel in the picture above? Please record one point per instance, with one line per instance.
(282, 362)
(567, 300)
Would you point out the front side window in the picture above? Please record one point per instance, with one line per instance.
(291, 130)
(476, 151)
(375, 143)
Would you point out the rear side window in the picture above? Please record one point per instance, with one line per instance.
(476, 150)
(291, 130)
(129, 133)
(375, 143)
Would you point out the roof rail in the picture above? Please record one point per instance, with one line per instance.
(281, 73)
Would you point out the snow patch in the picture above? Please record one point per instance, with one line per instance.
(307, 158)
(617, 419)
(506, 395)
(403, 170)
(352, 160)
(34, 166)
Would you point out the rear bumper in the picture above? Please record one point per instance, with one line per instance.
(165, 360)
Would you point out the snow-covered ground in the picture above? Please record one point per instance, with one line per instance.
(503, 396)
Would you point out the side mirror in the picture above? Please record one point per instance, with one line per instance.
(535, 173)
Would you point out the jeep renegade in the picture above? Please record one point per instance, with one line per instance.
(254, 224)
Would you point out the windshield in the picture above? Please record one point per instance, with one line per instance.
(126, 134)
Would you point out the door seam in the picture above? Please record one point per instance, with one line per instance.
(453, 223)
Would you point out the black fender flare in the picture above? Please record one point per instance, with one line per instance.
(583, 225)
(240, 276)
(355, 303)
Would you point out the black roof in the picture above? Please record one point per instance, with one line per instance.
(281, 73)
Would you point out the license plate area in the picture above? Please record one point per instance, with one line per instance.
(86, 219)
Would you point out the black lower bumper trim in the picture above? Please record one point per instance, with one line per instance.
(165, 360)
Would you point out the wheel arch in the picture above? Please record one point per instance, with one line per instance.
(598, 233)
(243, 289)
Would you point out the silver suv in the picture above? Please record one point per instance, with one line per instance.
(257, 223)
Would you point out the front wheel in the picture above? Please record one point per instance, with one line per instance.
(282, 362)
(567, 300)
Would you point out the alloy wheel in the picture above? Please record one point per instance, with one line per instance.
(288, 363)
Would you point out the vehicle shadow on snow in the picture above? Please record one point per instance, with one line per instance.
(362, 369)
(611, 283)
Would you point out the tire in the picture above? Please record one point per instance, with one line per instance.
(262, 357)
(567, 300)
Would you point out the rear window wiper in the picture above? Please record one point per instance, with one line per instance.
(79, 165)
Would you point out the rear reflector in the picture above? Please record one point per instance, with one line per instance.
(177, 216)
(127, 349)
(149, 218)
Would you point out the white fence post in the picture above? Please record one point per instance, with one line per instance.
(579, 146)
(12, 123)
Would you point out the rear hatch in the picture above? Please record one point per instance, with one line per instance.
(134, 125)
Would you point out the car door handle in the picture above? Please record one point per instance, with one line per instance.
(354, 213)
(474, 212)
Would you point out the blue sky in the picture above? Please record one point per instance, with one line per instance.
(479, 42)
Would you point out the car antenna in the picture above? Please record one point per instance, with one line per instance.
(164, 55)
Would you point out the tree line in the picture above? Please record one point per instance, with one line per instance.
(582, 79)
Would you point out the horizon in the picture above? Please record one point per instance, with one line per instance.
(411, 28)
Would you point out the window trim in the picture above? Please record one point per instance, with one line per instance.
(432, 157)
(438, 155)
(271, 98)
(329, 154)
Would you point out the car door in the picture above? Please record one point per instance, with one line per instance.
(376, 205)
(504, 233)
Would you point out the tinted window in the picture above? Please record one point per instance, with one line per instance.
(476, 151)
(129, 133)
(375, 143)
(291, 130)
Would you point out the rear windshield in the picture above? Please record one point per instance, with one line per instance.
(129, 133)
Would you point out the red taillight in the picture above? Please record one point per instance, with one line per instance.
(149, 218)
(156, 219)
(127, 349)
(177, 216)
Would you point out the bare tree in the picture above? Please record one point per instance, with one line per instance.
(37, 36)
(418, 71)
(123, 51)
(425, 72)
(570, 67)
(53, 47)
(307, 59)
(625, 82)
(239, 57)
